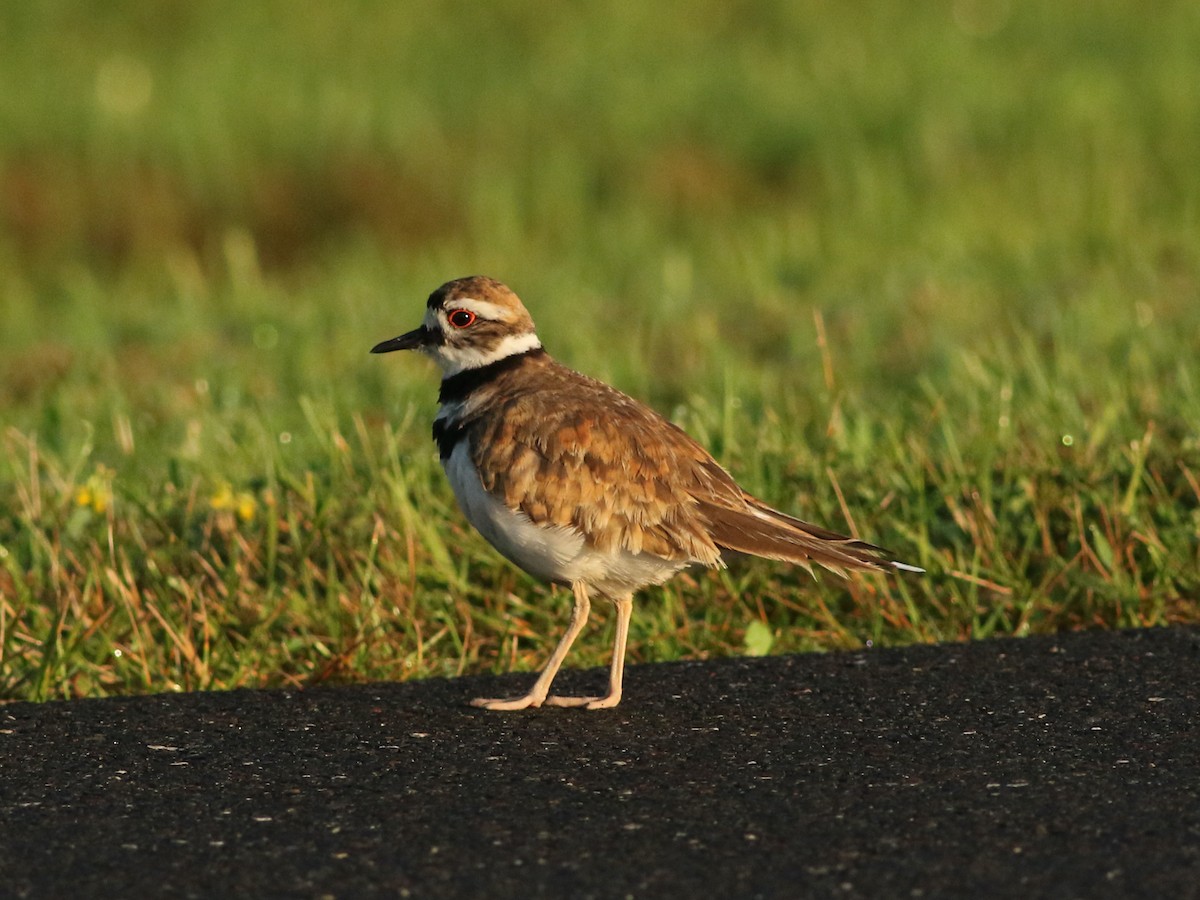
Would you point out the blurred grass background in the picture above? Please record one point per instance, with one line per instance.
(928, 272)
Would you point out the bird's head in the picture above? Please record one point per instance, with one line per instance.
(469, 322)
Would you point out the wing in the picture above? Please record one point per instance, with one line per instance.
(569, 450)
(753, 527)
(578, 453)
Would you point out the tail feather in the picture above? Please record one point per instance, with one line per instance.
(762, 531)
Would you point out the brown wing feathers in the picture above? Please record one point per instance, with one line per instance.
(629, 479)
(759, 530)
(585, 456)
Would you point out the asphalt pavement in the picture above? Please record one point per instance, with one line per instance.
(1065, 766)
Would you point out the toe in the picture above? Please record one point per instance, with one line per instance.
(504, 705)
(570, 701)
(585, 702)
(604, 702)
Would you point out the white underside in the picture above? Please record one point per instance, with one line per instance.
(549, 552)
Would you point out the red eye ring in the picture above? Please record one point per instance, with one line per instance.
(461, 318)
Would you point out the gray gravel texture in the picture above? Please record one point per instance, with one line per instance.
(1065, 766)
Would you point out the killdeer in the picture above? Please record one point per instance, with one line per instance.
(579, 484)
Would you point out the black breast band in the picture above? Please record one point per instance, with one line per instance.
(447, 436)
(458, 387)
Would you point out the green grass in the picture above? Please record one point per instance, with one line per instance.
(929, 273)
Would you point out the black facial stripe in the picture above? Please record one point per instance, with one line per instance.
(458, 387)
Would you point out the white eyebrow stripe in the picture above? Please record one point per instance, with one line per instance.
(481, 308)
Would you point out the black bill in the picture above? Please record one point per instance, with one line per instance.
(415, 339)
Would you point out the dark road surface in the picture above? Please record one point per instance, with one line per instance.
(1047, 767)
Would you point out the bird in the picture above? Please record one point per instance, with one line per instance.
(582, 486)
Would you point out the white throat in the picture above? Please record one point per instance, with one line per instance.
(458, 359)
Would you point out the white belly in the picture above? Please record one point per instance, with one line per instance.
(550, 552)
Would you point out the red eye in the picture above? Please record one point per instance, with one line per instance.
(461, 318)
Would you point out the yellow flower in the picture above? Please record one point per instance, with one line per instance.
(97, 491)
(246, 507)
(223, 498)
(242, 504)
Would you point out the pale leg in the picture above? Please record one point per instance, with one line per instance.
(541, 687)
(616, 672)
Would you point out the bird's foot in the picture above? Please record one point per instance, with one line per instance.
(532, 700)
(586, 702)
(510, 703)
